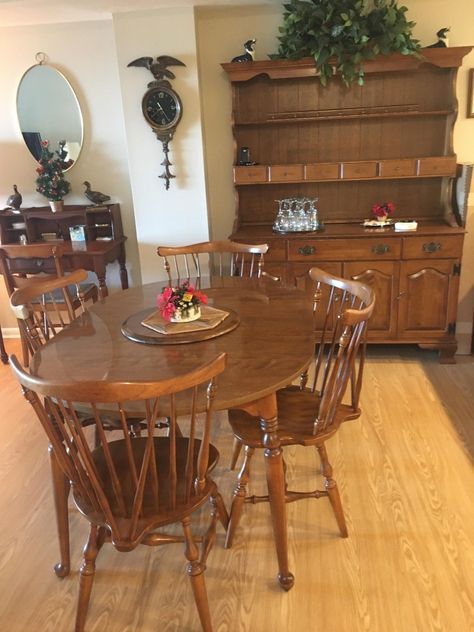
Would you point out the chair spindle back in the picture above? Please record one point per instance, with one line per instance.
(120, 482)
(221, 258)
(341, 342)
(43, 307)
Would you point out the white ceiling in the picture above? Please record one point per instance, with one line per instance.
(22, 12)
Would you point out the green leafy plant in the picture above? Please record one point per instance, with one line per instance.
(50, 181)
(341, 34)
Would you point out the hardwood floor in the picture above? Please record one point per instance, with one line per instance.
(406, 478)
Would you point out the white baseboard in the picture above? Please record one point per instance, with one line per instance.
(10, 332)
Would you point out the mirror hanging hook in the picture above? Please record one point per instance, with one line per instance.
(41, 58)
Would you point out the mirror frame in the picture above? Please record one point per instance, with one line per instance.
(41, 59)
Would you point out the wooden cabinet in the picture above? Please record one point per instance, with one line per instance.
(390, 139)
(105, 241)
(103, 223)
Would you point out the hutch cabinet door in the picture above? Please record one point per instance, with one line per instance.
(428, 298)
(382, 276)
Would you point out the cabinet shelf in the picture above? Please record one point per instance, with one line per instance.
(320, 118)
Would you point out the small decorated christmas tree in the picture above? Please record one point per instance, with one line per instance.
(50, 181)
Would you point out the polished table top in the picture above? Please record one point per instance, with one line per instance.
(269, 348)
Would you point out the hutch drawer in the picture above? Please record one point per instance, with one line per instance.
(439, 246)
(244, 175)
(442, 165)
(328, 171)
(344, 250)
(286, 173)
(397, 168)
(359, 169)
(276, 250)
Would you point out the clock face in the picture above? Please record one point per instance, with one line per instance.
(161, 108)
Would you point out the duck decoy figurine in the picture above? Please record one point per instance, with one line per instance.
(442, 36)
(249, 54)
(96, 197)
(14, 200)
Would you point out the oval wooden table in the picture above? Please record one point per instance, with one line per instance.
(270, 347)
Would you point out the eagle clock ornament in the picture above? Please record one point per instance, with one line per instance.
(161, 105)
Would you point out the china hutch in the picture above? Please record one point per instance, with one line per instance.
(388, 140)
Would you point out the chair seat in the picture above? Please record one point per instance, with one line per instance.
(158, 508)
(297, 410)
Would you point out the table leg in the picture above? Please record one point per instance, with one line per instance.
(123, 269)
(266, 410)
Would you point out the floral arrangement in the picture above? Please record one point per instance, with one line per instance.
(383, 209)
(50, 181)
(182, 298)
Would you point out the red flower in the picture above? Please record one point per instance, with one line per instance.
(182, 297)
(202, 298)
(383, 209)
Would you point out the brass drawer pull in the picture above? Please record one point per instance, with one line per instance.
(380, 249)
(431, 247)
(306, 251)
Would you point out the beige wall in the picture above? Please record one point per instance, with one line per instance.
(177, 215)
(85, 53)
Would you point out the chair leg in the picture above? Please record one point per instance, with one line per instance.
(332, 490)
(195, 570)
(236, 449)
(240, 492)
(87, 570)
(61, 488)
(220, 509)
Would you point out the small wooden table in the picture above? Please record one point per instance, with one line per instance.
(270, 348)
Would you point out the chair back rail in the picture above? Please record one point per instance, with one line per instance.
(222, 258)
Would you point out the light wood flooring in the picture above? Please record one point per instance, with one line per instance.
(406, 477)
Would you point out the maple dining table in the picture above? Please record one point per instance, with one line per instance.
(269, 345)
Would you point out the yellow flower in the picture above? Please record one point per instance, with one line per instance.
(187, 297)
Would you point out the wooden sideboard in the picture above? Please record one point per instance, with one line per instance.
(388, 140)
(105, 241)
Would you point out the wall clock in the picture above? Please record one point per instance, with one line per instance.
(161, 105)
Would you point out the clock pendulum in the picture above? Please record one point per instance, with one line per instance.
(161, 105)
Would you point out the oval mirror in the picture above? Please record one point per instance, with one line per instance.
(48, 109)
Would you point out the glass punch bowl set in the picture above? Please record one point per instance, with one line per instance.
(297, 215)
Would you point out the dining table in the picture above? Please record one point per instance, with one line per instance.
(269, 344)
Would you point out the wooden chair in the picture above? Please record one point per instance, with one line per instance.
(310, 415)
(22, 265)
(43, 308)
(221, 258)
(129, 488)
